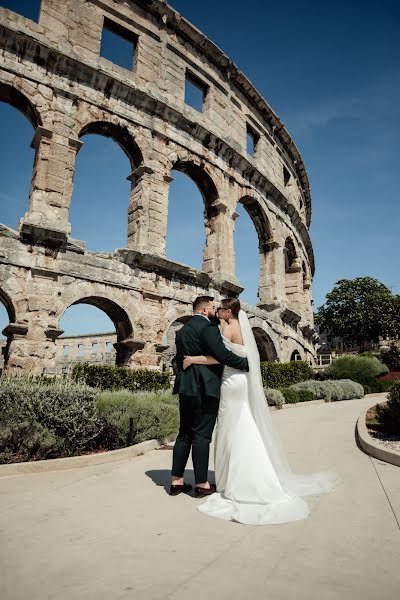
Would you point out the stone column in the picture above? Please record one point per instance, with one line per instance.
(294, 284)
(306, 298)
(219, 253)
(148, 210)
(272, 275)
(51, 186)
(268, 290)
(29, 350)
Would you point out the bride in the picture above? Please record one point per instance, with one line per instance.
(255, 485)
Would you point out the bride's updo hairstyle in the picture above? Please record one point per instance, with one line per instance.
(233, 304)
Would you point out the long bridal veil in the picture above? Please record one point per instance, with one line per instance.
(293, 484)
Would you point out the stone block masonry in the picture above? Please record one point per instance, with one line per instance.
(52, 71)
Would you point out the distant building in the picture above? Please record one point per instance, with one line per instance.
(93, 348)
(329, 344)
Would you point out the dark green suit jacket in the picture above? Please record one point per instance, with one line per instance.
(201, 337)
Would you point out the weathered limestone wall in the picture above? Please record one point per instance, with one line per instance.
(52, 71)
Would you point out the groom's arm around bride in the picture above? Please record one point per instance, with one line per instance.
(201, 337)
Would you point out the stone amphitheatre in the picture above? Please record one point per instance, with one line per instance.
(51, 70)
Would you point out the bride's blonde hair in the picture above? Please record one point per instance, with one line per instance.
(233, 304)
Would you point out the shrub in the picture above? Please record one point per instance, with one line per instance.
(306, 395)
(343, 389)
(350, 389)
(378, 386)
(333, 391)
(362, 369)
(310, 386)
(274, 397)
(277, 375)
(291, 396)
(106, 377)
(45, 419)
(391, 357)
(155, 415)
(389, 415)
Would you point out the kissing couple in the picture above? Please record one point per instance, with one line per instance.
(219, 378)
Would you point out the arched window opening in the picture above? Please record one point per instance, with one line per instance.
(100, 199)
(4, 320)
(168, 355)
(295, 355)
(16, 164)
(306, 282)
(290, 255)
(247, 255)
(94, 331)
(186, 234)
(265, 345)
(293, 275)
(7, 316)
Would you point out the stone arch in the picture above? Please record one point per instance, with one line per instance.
(260, 220)
(265, 345)
(267, 339)
(266, 246)
(169, 348)
(120, 135)
(8, 331)
(9, 306)
(18, 100)
(125, 345)
(203, 180)
(118, 316)
(127, 142)
(199, 172)
(295, 355)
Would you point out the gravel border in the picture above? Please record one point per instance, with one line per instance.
(372, 446)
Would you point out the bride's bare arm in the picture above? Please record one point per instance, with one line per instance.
(199, 360)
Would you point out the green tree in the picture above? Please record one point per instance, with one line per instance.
(360, 310)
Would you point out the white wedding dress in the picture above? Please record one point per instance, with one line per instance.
(254, 483)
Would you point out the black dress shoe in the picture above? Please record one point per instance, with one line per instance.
(203, 492)
(175, 490)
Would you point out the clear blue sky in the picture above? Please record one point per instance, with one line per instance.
(332, 74)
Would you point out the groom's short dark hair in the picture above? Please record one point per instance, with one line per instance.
(201, 301)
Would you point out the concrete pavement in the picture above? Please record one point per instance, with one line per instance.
(112, 532)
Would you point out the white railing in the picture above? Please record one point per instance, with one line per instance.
(324, 360)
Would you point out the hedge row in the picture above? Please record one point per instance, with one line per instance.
(280, 375)
(340, 389)
(155, 416)
(66, 418)
(305, 391)
(45, 419)
(106, 377)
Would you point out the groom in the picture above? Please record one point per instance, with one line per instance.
(199, 391)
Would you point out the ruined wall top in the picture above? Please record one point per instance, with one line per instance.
(73, 28)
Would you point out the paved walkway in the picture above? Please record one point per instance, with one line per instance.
(112, 532)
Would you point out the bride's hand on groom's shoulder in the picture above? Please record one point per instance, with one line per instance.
(187, 361)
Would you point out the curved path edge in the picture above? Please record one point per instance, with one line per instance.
(370, 446)
(85, 460)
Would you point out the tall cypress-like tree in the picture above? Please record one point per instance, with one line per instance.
(360, 310)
